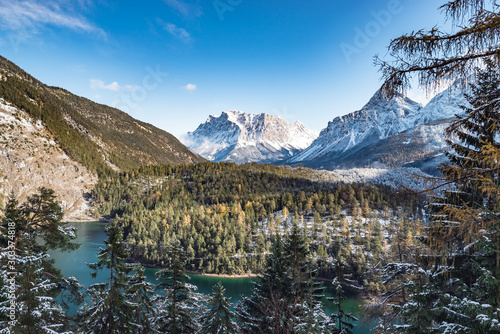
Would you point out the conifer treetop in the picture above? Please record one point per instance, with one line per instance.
(437, 56)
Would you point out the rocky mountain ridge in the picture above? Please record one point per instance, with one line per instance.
(380, 118)
(241, 137)
(386, 132)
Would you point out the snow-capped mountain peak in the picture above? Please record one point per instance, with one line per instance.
(378, 119)
(386, 131)
(242, 137)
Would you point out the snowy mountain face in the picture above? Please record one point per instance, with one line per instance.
(380, 118)
(240, 137)
(444, 105)
(385, 132)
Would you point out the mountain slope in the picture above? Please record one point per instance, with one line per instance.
(420, 143)
(98, 136)
(240, 137)
(386, 132)
(30, 158)
(379, 118)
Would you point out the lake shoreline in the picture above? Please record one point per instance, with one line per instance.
(91, 236)
(195, 272)
(363, 296)
(88, 219)
(223, 275)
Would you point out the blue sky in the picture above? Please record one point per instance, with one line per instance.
(174, 62)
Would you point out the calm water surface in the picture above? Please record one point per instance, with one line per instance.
(91, 236)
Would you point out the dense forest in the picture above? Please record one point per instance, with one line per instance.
(225, 215)
(286, 297)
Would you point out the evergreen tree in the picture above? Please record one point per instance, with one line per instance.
(466, 219)
(219, 318)
(265, 308)
(179, 308)
(140, 294)
(305, 294)
(285, 299)
(472, 171)
(32, 303)
(400, 270)
(110, 311)
(30, 281)
(340, 321)
(457, 289)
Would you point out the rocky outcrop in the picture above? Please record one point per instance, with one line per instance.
(30, 158)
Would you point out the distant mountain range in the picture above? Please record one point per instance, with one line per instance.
(379, 118)
(386, 132)
(240, 137)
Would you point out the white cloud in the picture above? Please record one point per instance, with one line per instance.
(99, 84)
(177, 32)
(190, 87)
(85, 4)
(186, 9)
(114, 86)
(31, 16)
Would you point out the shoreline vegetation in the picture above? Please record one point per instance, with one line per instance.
(364, 296)
(223, 275)
(89, 219)
(196, 272)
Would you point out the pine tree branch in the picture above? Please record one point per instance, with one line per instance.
(457, 9)
(431, 70)
(482, 33)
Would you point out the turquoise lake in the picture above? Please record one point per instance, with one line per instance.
(91, 236)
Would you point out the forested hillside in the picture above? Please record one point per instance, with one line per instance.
(98, 136)
(224, 215)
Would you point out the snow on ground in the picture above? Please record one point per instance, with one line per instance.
(399, 178)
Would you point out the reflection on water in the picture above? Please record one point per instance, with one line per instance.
(91, 236)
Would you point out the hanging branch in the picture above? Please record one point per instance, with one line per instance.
(436, 56)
